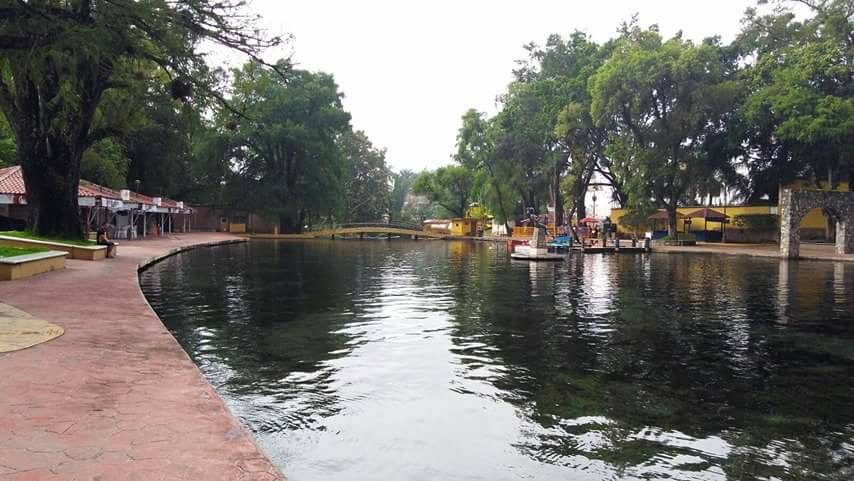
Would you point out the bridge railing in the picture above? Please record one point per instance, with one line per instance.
(396, 225)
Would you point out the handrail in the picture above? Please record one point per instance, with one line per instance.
(378, 224)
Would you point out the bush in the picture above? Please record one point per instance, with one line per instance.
(756, 221)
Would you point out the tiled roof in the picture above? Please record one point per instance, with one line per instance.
(91, 189)
(12, 181)
(138, 198)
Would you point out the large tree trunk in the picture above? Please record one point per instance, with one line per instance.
(557, 198)
(671, 222)
(52, 175)
(580, 207)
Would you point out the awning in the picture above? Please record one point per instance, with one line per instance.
(708, 214)
(662, 215)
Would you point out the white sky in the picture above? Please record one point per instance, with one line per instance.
(409, 70)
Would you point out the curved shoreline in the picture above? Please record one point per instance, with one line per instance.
(116, 397)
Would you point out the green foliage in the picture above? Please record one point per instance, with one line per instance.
(8, 152)
(797, 118)
(401, 187)
(637, 219)
(61, 62)
(450, 187)
(33, 236)
(20, 251)
(285, 148)
(367, 181)
(476, 152)
(757, 221)
(668, 98)
(105, 163)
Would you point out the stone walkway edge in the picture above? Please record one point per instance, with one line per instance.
(116, 398)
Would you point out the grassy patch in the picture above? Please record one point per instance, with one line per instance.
(19, 251)
(30, 235)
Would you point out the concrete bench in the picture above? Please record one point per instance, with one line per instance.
(26, 265)
(87, 253)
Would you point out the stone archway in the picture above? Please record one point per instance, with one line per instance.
(794, 205)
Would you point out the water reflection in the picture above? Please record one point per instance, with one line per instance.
(436, 360)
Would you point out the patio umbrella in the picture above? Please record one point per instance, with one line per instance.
(588, 220)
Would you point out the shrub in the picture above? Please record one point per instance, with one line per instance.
(756, 221)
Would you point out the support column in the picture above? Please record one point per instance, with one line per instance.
(790, 235)
(845, 236)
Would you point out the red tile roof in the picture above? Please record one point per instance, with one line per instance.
(91, 189)
(12, 181)
(138, 198)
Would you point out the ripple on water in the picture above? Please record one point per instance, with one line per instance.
(445, 360)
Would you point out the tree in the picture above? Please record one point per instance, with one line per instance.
(666, 98)
(367, 182)
(60, 59)
(476, 152)
(450, 187)
(8, 154)
(105, 163)
(160, 145)
(798, 116)
(287, 144)
(401, 187)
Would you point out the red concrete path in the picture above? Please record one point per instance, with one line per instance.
(115, 398)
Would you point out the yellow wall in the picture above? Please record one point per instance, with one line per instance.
(697, 224)
(464, 227)
(814, 219)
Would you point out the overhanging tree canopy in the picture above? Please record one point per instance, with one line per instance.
(59, 60)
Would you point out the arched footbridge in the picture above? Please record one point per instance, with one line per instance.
(360, 229)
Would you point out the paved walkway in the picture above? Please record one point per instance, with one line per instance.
(824, 252)
(115, 398)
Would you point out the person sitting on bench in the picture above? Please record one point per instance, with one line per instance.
(103, 240)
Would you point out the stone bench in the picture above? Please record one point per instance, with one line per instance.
(26, 265)
(87, 253)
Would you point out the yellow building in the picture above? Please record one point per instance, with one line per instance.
(464, 226)
(815, 225)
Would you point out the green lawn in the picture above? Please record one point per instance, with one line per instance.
(19, 251)
(30, 235)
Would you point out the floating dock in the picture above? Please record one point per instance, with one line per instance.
(537, 257)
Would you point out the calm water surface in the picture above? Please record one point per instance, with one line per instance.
(363, 360)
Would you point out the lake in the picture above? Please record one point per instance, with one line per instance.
(434, 360)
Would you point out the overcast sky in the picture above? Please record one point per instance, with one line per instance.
(409, 70)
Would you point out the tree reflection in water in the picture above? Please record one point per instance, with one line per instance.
(430, 360)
